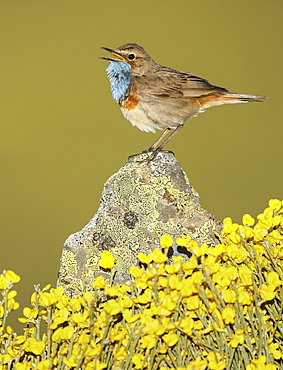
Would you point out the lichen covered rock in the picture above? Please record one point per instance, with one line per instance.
(139, 204)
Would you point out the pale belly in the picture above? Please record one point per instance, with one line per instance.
(139, 118)
(150, 118)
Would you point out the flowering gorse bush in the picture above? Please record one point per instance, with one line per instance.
(221, 309)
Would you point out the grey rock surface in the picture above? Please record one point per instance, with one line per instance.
(139, 204)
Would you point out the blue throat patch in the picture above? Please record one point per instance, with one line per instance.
(119, 76)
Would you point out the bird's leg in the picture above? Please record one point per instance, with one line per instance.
(155, 144)
(157, 150)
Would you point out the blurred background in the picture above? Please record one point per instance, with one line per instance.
(62, 135)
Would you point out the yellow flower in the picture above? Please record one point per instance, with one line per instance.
(193, 303)
(197, 250)
(65, 333)
(125, 301)
(216, 251)
(20, 339)
(259, 364)
(94, 349)
(189, 288)
(229, 296)
(170, 339)
(117, 333)
(196, 278)
(276, 220)
(30, 313)
(75, 304)
(158, 256)
(47, 287)
(12, 276)
(112, 291)
(34, 346)
(275, 204)
(227, 224)
(267, 213)
(142, 299)
(273, 348)
(136, 271)
(228, 315)
(245, 275)
(273, 279)
(198, 364)
(107, 260)
(121, 354)
(236, 253)
(99, 282)
(167, 303)
(137, 360)
(57, 292)
(260, 233)
(80, 318)
(9, 329)
(183, 241)
(83, 339)
(99, 365)
(210, 262)
(265, 223)
(206, 330)
(188, 267)
(129, 318)
(46, 299)
(246, 232)
(221, 279)
(153, 327)
(187, 325)
(166, 241)
(23, 365)
(244, 296)
(144, 258)
(148, 341)
(141, 282)
(162, 282)
(4, 283)
(4, 359)
(214, 363)
(88, 297)
(267, 292)
(174, 282)
(2, 311)
(43, 365)
(172, 269)
(248, 220)
(237, 339)
(71, 361)
(113, 307)
(234, 237)
(193, 247)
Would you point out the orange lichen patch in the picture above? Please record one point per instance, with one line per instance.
(131, 102)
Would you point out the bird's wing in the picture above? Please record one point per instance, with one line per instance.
(167, 82)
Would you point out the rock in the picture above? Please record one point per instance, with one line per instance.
(139, 204)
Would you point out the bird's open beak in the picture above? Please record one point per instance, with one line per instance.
(118, 56)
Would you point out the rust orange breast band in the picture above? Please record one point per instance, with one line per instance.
(131, 102)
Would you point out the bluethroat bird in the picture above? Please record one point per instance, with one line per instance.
(152, 96)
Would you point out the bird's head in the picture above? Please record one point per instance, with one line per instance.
(134, 55)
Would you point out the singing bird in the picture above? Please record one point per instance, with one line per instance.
(152, 96)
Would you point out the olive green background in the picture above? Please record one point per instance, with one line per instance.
(62, 135)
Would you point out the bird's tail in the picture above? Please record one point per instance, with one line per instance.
(212, 100)
(233, 98)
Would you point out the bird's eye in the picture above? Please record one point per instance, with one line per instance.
(131, 56)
